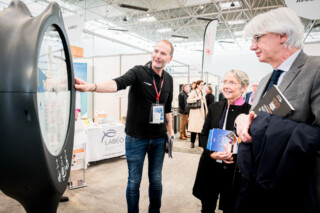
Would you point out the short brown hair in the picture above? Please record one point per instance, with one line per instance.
(170, 44)
(198, 82)
(194, 83)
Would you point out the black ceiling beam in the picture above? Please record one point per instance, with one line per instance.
(180, 36)
(116, 29)
(134, 7)
(206, 19)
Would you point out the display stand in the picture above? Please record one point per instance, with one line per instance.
(78, 168)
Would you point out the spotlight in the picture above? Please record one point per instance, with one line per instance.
(232, 4)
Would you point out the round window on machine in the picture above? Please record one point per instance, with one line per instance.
(53, 96)
(37, 106)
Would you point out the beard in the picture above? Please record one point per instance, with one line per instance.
(157, 65)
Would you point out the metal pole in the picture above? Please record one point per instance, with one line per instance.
(311, 27)
(188, 74)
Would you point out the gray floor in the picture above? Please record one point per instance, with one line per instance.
(107, 181)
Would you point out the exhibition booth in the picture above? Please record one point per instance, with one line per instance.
(94, 142)
(42, 144)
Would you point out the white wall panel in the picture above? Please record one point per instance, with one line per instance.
(106, 68)
(127, 62)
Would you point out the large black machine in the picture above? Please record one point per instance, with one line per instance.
(37, 106)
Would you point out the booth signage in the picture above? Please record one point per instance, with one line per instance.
(308, 9)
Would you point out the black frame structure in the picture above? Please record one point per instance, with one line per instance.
(28, 170)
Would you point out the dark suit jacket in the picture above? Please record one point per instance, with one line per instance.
(301, 86)
(248, 95)
(279, 165)
(183, 109)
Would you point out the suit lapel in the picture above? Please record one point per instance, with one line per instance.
(260, 89)
(293, 71)
(286, 81)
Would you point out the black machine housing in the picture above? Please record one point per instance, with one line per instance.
(29, 173)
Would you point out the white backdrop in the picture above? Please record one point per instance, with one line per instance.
(104, 68)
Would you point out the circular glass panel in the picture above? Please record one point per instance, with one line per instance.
(53, 96)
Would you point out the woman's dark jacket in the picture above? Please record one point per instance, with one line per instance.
(208, 180)
(209, 99)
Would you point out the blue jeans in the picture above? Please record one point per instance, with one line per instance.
(136, 149)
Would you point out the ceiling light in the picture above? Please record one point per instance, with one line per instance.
(148, 19)
(179, 36)
(236, 22)
(225, 41)
(117, 29)
(227, 5)
(134, 7)
(206, 19)
(164, 30)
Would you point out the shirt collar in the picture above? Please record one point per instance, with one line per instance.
(239, 101)
(286, 65)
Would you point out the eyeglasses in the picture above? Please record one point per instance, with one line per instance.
(229, 83)
(255, 38)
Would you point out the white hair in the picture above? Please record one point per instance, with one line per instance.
(242, 77)
(279, 21)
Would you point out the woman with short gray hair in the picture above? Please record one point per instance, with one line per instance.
(217, 171)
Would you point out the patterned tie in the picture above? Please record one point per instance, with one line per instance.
(274, 78)
(251, 98)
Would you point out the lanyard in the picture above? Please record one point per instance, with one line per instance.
(158, 94)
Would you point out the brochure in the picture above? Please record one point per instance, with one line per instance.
(220, 140)
(274, 102)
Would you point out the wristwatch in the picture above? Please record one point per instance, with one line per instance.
(37, 107)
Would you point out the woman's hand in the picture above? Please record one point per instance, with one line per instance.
(226, 156)
(221, 155)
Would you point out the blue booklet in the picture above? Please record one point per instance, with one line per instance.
(220, 140)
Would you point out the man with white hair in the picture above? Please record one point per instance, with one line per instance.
(250, 95)
(277, 39)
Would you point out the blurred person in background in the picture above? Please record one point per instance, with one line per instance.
(197, 116)
(221, 97)
(250, 95)
(209, 96)
(183, 110)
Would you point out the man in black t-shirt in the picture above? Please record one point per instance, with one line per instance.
(148, 120)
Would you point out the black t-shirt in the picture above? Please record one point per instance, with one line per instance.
(142, 95)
